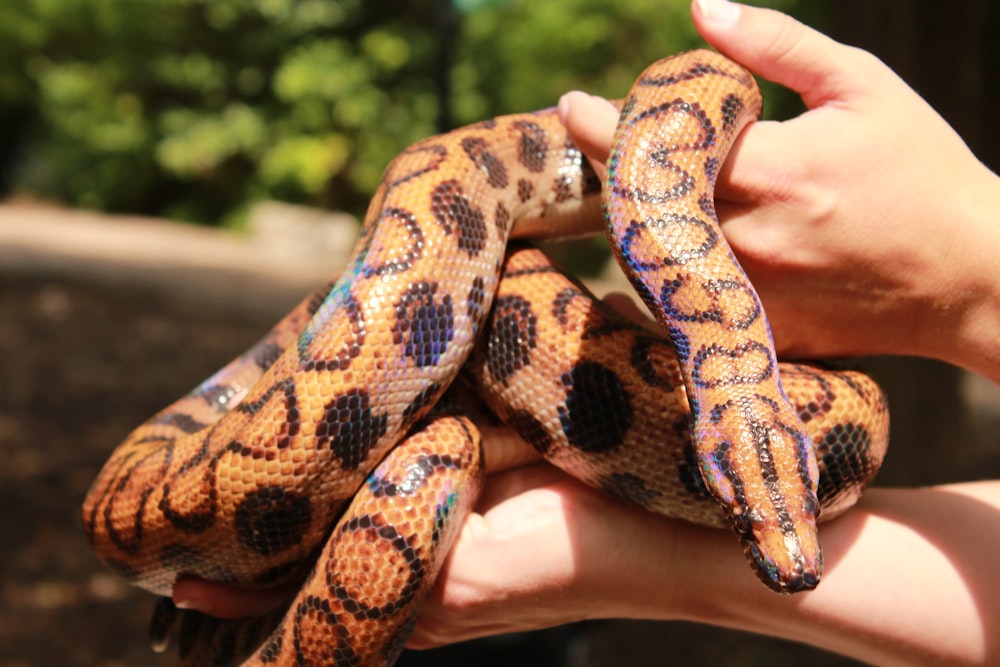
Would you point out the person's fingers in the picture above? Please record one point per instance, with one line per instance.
(516, 563)
(770, 162)
(763, 168)
(228, 601)
(508, 485)
(779, 48)
(232, 602)
(591, 122)
(504, 449)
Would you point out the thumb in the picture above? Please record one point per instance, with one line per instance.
(778, 48)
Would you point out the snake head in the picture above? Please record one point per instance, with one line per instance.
(765, 485)
(784, 554)
(779, 536)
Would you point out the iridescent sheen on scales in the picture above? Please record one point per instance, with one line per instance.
(333, 455)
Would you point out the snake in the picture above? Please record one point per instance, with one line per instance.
(344, 449)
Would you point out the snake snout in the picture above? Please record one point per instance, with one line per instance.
(786, 560)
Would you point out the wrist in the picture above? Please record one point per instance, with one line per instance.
(968, 313)
(868, 606)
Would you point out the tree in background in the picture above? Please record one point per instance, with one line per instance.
(196, 109)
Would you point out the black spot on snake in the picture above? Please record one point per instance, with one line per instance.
(643, 362)
(501, 218)
(681, 343)
(350, 428)
(525, 190)
(456, 214)
(318, 297)
(272, 648)
(424, 326)
(532, 430)
(440, 462)
(844, 451)
(533, 146)
(591, 181)
(598, 412)
(731, 109)
(187, 559)
(476, 300)
(562, 190)
(422, 402)
(741, 521)
(265, 355)
(707, 206)
(667, 291)
(711, 171)
(282, 571)
(271, 519)
(478, 151)
(630, 488)
(696, 71)
(186, 423)
(512, 337)
(293, 420)
(414, 477)
(688, 473)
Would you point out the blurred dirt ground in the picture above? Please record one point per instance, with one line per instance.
(103, 322)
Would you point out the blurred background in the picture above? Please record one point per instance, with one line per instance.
(174, 174)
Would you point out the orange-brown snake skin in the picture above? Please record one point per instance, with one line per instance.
(247, 480)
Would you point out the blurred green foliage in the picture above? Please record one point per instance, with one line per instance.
(195, 109)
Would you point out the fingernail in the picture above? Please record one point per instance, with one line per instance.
(563, 107)
(719, 11)
(184, 604)
(187, 602)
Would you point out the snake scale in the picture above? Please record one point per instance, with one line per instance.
(245, 479)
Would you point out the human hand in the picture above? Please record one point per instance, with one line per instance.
(536, 553)
(544, 550)
(866, 224)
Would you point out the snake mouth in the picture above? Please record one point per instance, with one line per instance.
(803, 575)
(787, 558)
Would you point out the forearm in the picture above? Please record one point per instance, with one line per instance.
(910, 580)
(971, 318)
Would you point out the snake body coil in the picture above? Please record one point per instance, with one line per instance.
(243, 480)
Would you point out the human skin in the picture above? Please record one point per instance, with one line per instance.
(848, 261)
(867, 226)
